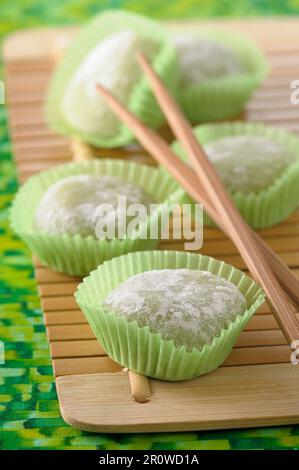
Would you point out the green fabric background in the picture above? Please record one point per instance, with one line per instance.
(30, 417)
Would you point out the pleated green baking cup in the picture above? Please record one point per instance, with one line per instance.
(137, 347)
(78, 255)
(276, 202)
(141, 101)
(221, 98)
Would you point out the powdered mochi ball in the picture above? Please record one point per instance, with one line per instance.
(248, 164)
(71, 205)
(202, 59)
(187, 306)
(111, 63)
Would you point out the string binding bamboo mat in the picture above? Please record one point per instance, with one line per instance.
(257, 385)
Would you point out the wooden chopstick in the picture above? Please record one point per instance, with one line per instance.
(185, 176)
(161, 151)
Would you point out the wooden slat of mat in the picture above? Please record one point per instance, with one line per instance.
(90, 365)
(247, 338)
(262, 321)
(217, 247)
(71, 317)
(48, 290)
(69, 332)
(74, 349)
(54, 147)
(285, 229)
(44, 274)
(239, 356)
(66, 302)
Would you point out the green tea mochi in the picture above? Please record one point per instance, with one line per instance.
(202, 59)
(71, 205)
(112, 63)
(248, 164)
(186, 306)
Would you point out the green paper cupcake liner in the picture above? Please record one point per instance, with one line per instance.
(221, 98)
(141, 102)
(138, 348)
(265, 208)
(77, 255)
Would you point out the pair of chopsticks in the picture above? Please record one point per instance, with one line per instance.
(204, 185)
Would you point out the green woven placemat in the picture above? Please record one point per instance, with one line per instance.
(29, 412)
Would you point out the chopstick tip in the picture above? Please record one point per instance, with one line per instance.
(141, 59)
(104, 92)
(100, 88)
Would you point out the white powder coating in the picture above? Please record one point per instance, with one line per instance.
(248, 164)
(187, 306)
(111, 63)
(202, 59)
(71, 204)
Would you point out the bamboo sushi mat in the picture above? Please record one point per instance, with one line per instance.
(257, 385)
